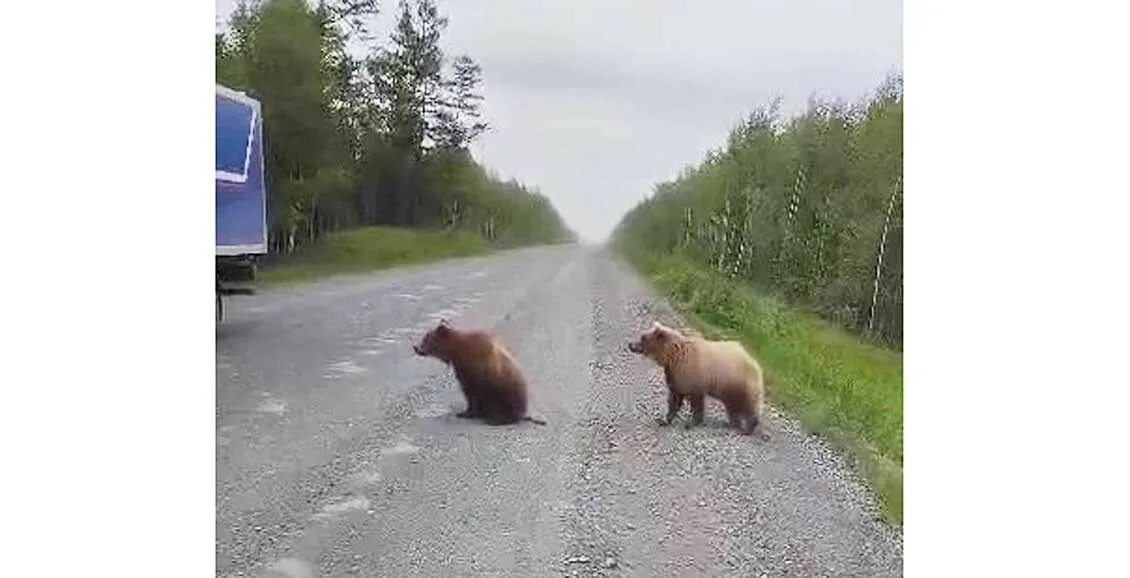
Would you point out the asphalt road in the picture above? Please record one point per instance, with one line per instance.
(337, 453)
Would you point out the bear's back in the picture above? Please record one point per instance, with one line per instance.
(718, 362)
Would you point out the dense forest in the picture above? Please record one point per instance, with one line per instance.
(379, 139)
(808, 208)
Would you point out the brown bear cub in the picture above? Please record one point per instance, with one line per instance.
(494, 387)
(697, 367)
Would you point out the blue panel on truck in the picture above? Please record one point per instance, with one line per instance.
(241, 208)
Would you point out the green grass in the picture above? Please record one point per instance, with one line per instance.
(839, 386)
(369, 249)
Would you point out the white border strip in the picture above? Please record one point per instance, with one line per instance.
(237, 96)
(258, 128)
(241, 178)
(233, 250)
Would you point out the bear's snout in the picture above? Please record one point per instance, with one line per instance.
(635, 347)
(418, 351)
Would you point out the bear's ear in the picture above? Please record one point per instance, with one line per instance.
(443, 328)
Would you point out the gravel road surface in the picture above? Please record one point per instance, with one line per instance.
(337, 453)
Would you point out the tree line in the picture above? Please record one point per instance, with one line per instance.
(380, 139)
(808, 208)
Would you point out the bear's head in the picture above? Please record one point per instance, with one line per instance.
(656, 343)
(437, 343)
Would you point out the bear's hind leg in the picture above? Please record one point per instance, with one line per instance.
(755, 417)
(740, 414)
(750, 420)
(503, 410)
(474, 407)
(734, 417)
(754, 423)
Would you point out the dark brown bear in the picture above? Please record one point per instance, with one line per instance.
(695, 368)
(494, 387)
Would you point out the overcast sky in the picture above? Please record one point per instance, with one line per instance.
(595, 101)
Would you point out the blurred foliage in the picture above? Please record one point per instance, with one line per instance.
(377, 140)
(808, 208)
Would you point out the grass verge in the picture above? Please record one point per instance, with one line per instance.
(839, 386)
(371, 248)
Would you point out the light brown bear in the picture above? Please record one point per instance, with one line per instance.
(695, 367)
(495, 389)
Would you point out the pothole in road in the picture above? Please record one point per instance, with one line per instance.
(433, 411)
(292, 568)
(272, 406)
(448, 314)
(402, 447)
(366, 478)
(390, 338)
(347, 367)
(356, 503)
